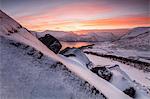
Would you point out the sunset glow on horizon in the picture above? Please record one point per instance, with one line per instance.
(74, 15)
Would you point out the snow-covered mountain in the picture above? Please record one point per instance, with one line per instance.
(138, 38)
(71, 36)
(57, 34)
(102, 36)
(136, 32)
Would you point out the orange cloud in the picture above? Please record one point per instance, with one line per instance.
(119, 21)
(124, 22)
(73, 17)
(111, 23)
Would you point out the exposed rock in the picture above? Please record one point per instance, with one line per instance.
(31, 51)
(130, 91)
(15, 44)
(64, 50)
(51, 42)
(103, 72)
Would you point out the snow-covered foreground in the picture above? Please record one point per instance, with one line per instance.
(103, 86)
(25, 77)
(11, 30)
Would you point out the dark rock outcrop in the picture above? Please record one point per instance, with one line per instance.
(64, 50)
(51, 42)
(103, 72)
(130, 91)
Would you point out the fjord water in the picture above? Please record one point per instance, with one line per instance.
(74, 44)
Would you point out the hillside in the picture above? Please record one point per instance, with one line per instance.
(137, 38)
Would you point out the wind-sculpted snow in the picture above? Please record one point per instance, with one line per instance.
(24, 36)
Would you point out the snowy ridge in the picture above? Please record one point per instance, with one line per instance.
(138, 38)
(135, 32)
(71, 36)
(24, 36)
(7, 24)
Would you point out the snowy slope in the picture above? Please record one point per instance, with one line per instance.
(108, 48)
(138, 38)
(125, 75)
(133, 73)
(8, 25)
(24, 36)
(135, 32)
(26, 77)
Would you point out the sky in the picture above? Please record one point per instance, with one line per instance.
(74, 15)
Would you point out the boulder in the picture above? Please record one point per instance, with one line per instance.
(51, 42)
(130, 91)
(103, 72)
